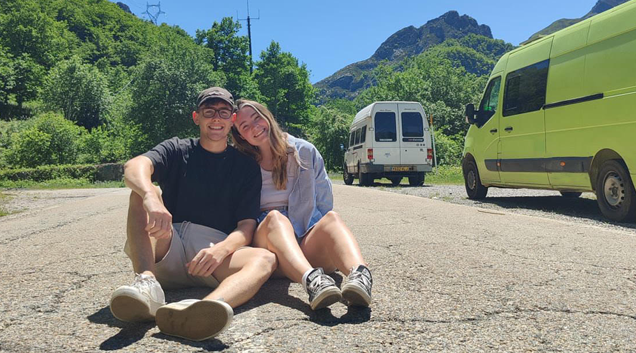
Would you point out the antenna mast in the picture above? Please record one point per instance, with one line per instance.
(249, 31)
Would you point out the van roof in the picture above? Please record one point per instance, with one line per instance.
(366, 111)
(582, 23)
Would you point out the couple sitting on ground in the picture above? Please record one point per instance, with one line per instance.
(221, 221)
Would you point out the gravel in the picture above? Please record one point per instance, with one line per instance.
(538, 203)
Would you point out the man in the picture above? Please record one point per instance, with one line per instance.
(195, 232)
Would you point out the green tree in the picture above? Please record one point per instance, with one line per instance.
(79, 90)
(164, 92)
(230, 56)
(443, 89)
(329, 132)
(285, 87)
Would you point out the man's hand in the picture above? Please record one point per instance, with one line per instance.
(207, 260)
(159, 219)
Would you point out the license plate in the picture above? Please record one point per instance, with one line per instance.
(400, 169)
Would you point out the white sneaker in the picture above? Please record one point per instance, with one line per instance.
(194, 319)
(139, 301)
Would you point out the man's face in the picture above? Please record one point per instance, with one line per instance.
(214, 119)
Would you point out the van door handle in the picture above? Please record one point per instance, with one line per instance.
(509, 128)
(493, 131)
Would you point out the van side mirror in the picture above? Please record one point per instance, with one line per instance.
(342, 147)
(470, 113)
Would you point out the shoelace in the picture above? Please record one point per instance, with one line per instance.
(321, 282)
(145, 282)
(359, 276)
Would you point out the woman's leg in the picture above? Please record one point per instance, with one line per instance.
(276, 234)
(331, 245)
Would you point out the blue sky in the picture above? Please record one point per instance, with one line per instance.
(327, 35)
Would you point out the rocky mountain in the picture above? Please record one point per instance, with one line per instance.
(601, 6)
(409, 41)
(124, 7)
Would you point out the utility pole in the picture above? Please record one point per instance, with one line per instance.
(249, 31)
(153, 16)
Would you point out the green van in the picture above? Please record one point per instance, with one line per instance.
(560, 113)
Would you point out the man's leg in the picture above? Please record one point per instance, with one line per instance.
(144, 250)
(242, 274)
(140, 300)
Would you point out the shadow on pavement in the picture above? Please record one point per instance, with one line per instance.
(129, 333)
(212, 345)
(273, 291)
(572, 207)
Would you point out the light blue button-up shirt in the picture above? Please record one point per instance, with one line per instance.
(311, 196)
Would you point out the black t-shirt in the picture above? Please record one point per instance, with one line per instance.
(216, 190)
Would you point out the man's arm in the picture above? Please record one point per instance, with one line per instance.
(207, 260)
(138, 177)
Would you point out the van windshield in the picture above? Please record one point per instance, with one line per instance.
(385, 130)
(412, 125)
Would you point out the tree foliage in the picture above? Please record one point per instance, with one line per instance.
(329, 133)
(286, 89)
(79, 90)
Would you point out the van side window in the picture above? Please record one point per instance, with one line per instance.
(385, 130)
(489, 103)
(525, 89)
(363, 134)
(357, 138)
(412, 124)
(352, 138)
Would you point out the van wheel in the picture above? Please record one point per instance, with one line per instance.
(395, 180)
(615, 192)
(417, 180)
(571, 195)
(474, 188)
(348, 178)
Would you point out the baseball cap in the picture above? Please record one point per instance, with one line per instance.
(215, 93)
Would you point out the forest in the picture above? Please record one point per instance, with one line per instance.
(83, 82)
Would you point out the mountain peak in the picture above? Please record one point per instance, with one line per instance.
(412, 41)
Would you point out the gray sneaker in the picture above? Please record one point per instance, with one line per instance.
(138, 301)
(322, 289)
(357, 289)
(194, 319)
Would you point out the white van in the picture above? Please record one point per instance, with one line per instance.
(389, 140)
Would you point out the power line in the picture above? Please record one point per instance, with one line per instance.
(249, 31)
(155, 15)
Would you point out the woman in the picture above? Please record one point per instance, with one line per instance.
(297, 223)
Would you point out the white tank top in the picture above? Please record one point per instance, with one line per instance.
(270, 196)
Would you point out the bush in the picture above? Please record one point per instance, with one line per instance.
(51, 140)
(448, 149)
(43, 173)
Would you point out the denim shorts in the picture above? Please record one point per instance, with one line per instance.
(283, 211)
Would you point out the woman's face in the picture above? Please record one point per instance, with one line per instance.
(252, 127)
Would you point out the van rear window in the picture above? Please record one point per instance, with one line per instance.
(385, 130)
(412, 124)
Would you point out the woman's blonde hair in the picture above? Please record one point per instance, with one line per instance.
(278, 143)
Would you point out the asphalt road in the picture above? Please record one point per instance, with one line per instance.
(447, 277)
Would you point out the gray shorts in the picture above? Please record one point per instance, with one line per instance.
(187, 240)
